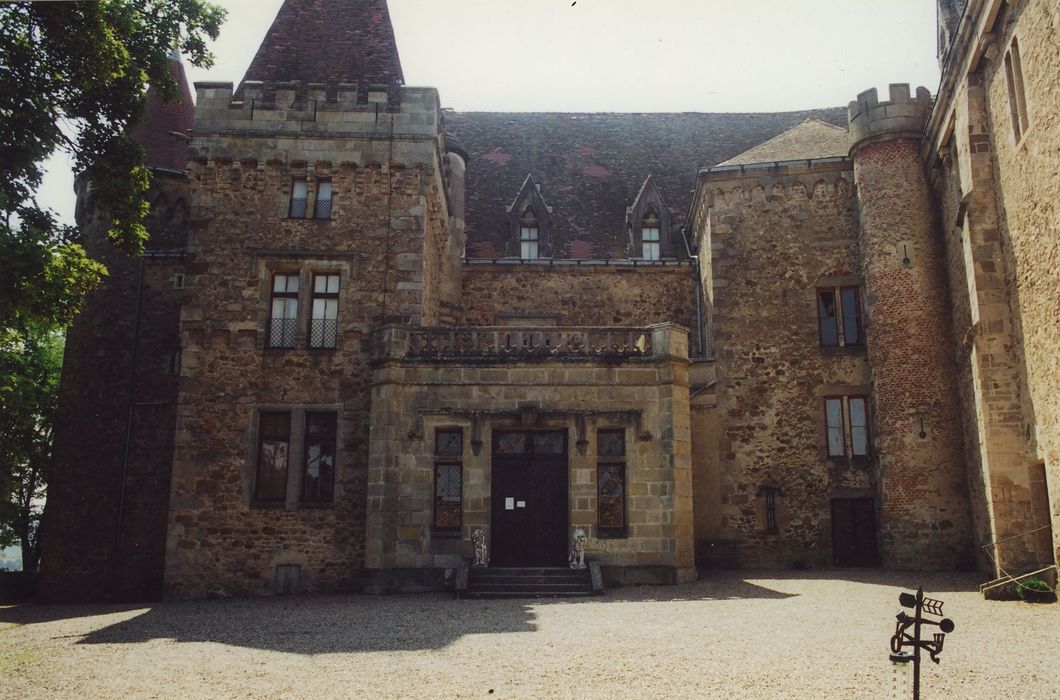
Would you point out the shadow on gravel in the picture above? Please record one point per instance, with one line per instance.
(323, 624)
(37, 613)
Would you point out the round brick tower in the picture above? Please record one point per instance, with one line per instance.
(923, 503)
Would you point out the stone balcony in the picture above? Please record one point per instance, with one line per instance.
(499, 344)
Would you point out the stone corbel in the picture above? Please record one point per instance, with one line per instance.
(638, 427)
(476, 434)
(580, 434)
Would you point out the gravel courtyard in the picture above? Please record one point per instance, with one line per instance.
(731, 635)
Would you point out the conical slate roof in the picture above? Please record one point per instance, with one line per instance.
(155, 132)
(328, 41)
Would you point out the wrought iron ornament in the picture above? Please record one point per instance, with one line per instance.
(903, 638)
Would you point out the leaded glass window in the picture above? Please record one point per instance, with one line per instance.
(283, 311)
(611, 483)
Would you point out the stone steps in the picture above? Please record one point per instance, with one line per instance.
(528, 582)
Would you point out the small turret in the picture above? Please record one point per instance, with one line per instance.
(923, 507)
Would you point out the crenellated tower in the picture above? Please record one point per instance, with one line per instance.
(924, 515)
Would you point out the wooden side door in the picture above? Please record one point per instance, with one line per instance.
(854, 532)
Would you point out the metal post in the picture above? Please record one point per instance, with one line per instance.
(916, 647)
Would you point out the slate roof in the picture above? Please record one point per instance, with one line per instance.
(591, 166)
(155, 131)
(811, 139)
(328, 41)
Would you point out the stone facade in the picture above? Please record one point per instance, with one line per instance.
(844, 356)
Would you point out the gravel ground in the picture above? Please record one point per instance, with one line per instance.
(737, 634)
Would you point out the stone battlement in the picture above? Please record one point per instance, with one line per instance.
(316, 107)
(903, 116)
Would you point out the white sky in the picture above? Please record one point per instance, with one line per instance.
(623, 55)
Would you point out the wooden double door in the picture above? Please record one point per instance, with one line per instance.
(854, 532)
(529, 498)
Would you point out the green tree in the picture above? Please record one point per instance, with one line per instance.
(29, 392)
(73, 77)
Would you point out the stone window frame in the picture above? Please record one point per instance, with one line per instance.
(848, 458)
(622, 463)
(442, 459)
(306, 269)
(1017, 96)
(296, 446)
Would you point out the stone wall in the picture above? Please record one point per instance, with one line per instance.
(771, 236)
(580, 294)
(103, 532)
(387, 200)
(994, 198)
(647, 397)
(1028, 179)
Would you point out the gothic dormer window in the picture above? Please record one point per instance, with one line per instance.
(529, 223)
(648, 224)
(649, 236)
(528, 235)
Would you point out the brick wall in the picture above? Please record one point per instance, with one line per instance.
(924, 515)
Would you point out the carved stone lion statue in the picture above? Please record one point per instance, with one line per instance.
(478, 538)
(577, 548)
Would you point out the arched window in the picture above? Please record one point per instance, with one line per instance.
(649, 236)
(528, 235)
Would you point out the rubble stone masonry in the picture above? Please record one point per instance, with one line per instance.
(770, 236)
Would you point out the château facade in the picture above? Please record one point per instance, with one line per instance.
(366, 326)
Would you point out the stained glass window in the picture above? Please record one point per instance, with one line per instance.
(550, 443)
(509, 443)
(274, 435)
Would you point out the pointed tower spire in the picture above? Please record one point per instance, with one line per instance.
(155, 132)
(328, 41)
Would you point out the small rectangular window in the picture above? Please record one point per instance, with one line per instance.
(274, 436)
(1017, 99)
(859, 427)
(771, 509)
(283, 311)
(650, 243)
(178, 281)
(318, 470)
(611, 483)
(299, 195)
(324, 324)
(448, 479)
(826, 315)
(839, 317)
(528, 242)
(843, 414)
(834, 417)
(851, 316)
(322, 206)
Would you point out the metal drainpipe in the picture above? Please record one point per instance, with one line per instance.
(131, 409)
(389, 212)
(700, 334)
(128, 431)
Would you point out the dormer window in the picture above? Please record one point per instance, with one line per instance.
(649, 236)
(528, 236)
(649, 225)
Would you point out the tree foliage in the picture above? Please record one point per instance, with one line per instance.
(29, 392)
(73, 77)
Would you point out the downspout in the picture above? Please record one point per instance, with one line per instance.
(131, 410)
(389, 212)
(700, 333)
(128, 430)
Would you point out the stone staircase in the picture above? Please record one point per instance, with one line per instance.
(529, 582)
